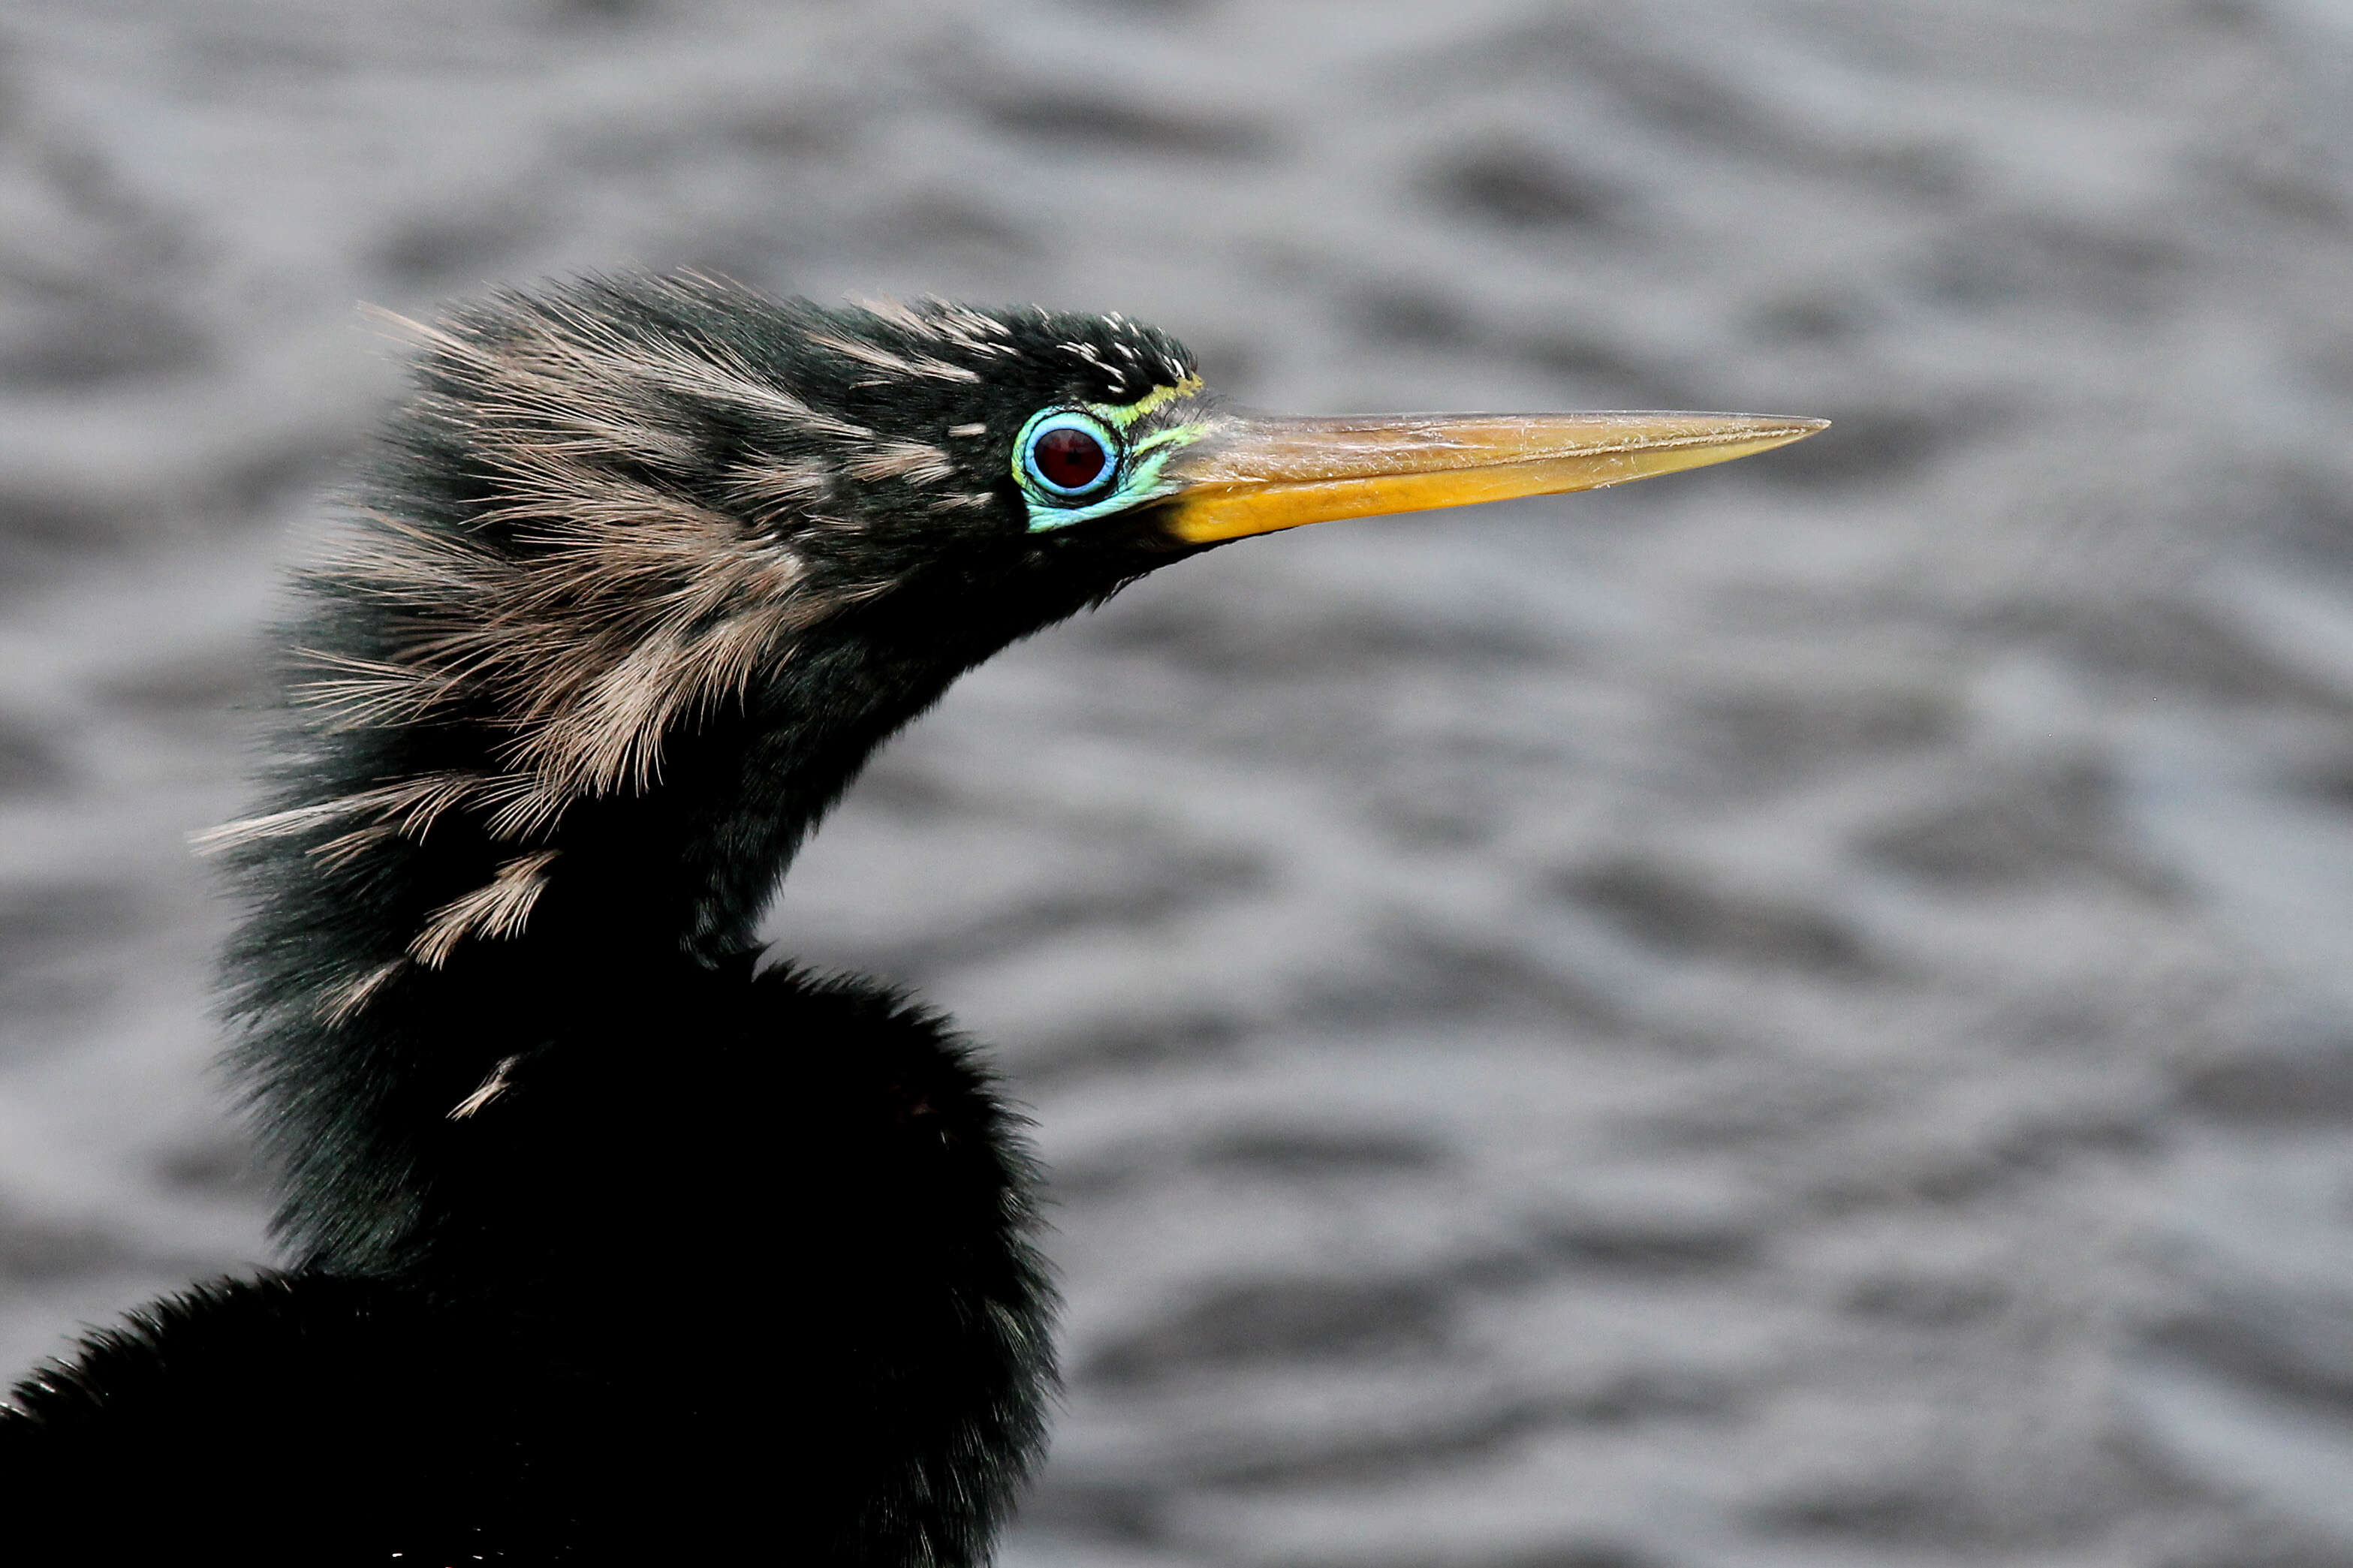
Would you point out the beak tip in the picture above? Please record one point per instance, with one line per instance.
(1764, 432)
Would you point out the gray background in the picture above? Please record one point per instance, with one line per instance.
(1798, 1014)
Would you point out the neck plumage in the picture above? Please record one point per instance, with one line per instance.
(405, 947)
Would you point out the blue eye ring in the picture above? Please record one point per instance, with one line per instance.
(1044, 422)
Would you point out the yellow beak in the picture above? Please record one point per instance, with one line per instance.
(1254, 475)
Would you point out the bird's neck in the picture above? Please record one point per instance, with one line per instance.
(387, 979)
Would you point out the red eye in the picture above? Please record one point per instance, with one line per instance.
(1069, 458)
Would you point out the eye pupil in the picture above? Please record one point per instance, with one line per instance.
(1069, 457)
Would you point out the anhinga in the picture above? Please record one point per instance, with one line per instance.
(609, 1243)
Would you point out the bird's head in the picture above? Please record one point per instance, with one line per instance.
(621, 515)
(619, 505)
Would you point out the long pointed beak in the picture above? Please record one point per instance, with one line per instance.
(1254, 475)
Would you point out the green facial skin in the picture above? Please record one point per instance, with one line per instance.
(1140, 463)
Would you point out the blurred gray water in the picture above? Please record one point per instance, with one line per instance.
(1800, 1014)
